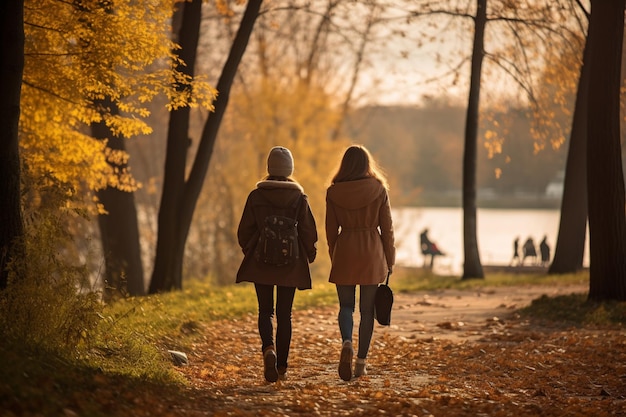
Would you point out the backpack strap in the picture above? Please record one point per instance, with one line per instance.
(296, 204)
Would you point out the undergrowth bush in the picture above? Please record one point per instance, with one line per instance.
(47, 304)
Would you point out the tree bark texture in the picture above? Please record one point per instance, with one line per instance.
(164, 274)
(472, 267)
(11, 70)
(119, 230)
(607, 220)
(211, 128)
(570, 246)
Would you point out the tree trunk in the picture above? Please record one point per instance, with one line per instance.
(211, 128)
(11, 70)
(171, 276)
(119, 231)
(472, 268)
(570, 245)
(164, 273)
(607, 220)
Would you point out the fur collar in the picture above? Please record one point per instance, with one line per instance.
(269, 184)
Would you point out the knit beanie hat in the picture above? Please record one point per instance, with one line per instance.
(280, 162)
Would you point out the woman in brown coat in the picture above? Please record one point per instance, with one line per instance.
(360, 238)
(280, 194)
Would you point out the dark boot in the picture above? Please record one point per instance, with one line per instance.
(345, 361)
(282, 373)
(360, 367)
(269, 363)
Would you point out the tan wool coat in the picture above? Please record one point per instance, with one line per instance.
(277, 197)
(359, 231)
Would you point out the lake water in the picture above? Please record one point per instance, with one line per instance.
(496, 228)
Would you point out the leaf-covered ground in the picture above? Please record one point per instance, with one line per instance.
(447, 353)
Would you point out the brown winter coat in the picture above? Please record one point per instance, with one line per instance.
(359, 232)
(277, 197)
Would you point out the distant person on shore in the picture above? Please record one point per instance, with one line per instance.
(515, 261)
(530, 251)
(544, 248)
(429, 248)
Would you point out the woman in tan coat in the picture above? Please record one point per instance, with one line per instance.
(360, 238)
(276, 194)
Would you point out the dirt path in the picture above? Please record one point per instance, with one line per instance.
(452, 353)
(464, 314)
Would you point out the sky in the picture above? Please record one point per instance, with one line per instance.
(417, 60)
(429, 57)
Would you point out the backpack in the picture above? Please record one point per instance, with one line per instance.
(278, 241)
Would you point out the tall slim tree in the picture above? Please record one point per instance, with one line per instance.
(472, 268)
(167, 274)
(605, 180)
(570, 246)
(11, 69)
(189, 14)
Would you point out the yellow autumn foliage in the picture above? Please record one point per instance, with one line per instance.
(298, 117)
(78, 54)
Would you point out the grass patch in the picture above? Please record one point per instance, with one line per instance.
(575, 309)
(134, 334)
(412, 279)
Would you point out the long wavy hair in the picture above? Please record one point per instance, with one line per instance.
(357, 164)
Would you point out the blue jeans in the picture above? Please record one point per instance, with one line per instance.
(284, 303)
(347, 302)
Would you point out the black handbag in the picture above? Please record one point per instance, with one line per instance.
(383, 303)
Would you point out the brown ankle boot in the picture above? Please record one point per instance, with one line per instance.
(345, 361)
(282, 373)
(269, 364)
(360, 367)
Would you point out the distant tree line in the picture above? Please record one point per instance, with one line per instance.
(423, 147)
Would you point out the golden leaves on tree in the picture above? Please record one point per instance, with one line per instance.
(79, 55)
